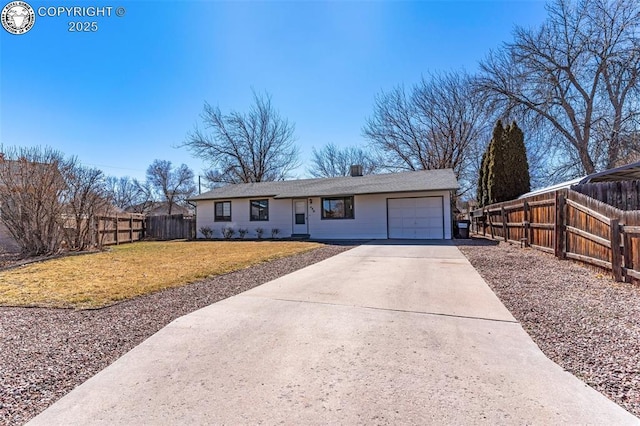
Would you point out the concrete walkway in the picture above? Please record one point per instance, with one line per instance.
(382, 334)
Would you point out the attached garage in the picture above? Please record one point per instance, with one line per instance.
(416, 218)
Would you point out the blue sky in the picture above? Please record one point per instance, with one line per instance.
(129, 93)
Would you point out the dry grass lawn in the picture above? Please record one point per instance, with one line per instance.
(101, 279)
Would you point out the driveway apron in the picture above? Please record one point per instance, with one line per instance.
(390, 332)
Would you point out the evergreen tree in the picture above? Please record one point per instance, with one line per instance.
(504, 173)
(482, 182)
(521, 183)
(498, 176)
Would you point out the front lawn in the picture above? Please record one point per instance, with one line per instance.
(126, 271)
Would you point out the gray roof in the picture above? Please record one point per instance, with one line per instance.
(426, 180)
(627, 172)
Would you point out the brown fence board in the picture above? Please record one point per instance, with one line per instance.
(599, 240)
(591, 260)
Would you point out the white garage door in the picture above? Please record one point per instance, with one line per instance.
(416, 218)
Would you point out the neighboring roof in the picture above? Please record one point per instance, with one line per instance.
(158, 208)
(626, 172)
(562, 185)
(426, 180)
(18, 171)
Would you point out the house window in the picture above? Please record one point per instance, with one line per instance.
(337, 208)
(259, 210)
(223, 211)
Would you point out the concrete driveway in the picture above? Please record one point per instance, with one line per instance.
(386, 333)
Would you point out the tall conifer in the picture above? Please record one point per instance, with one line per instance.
(504, 173)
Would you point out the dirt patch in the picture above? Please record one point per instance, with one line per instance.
(580, 318)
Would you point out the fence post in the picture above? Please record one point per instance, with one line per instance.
(560, 226)
(484, 223)
(527, 224)
(117, 233)
(130, 228)
(616, 258)
(627, 255)
(97, 242)
(493, 235)
(505, 228)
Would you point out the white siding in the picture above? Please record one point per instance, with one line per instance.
(279, 217)
(370, 217)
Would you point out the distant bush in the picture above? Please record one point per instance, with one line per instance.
(259, 232)
(242, 232)
(274, 232)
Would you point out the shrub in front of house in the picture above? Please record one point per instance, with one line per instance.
(259, 233)
(207, 232)
(228, 233)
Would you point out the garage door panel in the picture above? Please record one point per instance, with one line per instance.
(434, 222)
(422, 222)
(415, 218)
(428, 202)
(402, 203)
(434, 233)
(423, 213)
(408, 222)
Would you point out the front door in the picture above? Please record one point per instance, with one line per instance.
(300, 217)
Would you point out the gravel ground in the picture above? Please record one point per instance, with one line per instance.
(45, 353)
(579, 317)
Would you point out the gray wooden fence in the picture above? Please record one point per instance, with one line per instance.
(171, 227)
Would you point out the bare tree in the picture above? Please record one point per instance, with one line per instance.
(85, 199)
(128, 193)
(438, 125)
(254, 147)
(171, 185)
(332, 161)
(31, 190)
(578, 74)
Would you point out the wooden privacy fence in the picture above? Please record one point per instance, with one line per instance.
(570, 225)
(624, 195)
(171, 227)
(119, 228)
